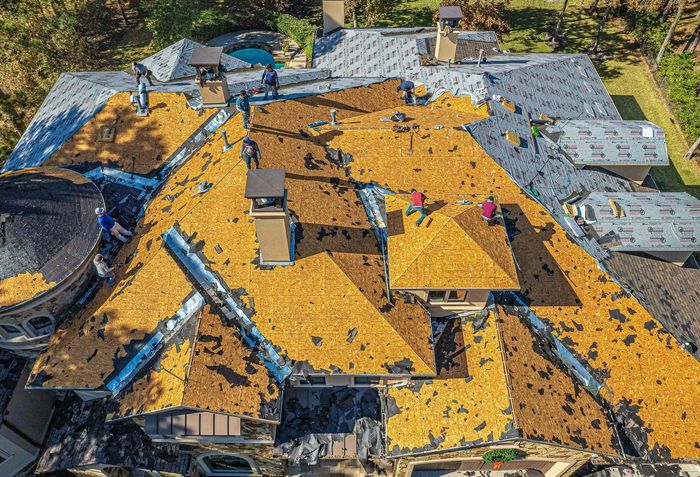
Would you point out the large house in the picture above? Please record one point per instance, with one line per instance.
(294, 318)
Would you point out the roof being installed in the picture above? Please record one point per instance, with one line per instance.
(454, 244)
(48, 230)
(598, 142)
(174, 62)
(665, 221)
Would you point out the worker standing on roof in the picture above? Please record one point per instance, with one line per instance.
(488, 210)
(251, 151)
(417, 205)
(111, 226)
(270, 81)
(243, 107)
(406, 90)
(104, 271)
(140, 70)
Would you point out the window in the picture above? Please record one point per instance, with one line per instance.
(10, 331)
(366, 380)
(226, 465)
(457, 295)
(314, 381)
(436, 296)
(40, 325)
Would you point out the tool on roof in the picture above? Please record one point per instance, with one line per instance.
(616, 208)
(317, 124)
(409, 151)
(398, 117)
(106, 133)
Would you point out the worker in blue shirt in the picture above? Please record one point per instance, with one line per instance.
(111, 226)
(251, 151)
(243, 107)
(270, 81)
(406, 89)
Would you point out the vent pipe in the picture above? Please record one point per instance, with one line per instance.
(333, 121)
(481, 57)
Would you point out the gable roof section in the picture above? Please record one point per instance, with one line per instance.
(453, 248)
(609, 142)
(172, 62)
(210, 369)
(664, 221)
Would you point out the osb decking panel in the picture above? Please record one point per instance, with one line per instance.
(149, 285)
(549, 404)
(22, 287)
(611, 332)
(141, 144)
(458, 411)
(452, 248)
(225, 375)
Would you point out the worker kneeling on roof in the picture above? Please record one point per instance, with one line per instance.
(488, 210)
(406, 88)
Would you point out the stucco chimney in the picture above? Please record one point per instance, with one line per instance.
(448, 24)
(333, 15)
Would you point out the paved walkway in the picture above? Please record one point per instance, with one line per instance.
(265, 39)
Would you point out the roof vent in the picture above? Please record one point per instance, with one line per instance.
(616, 208)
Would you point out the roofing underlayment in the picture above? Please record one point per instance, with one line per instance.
(48, 229)
(173, 62)
(598, 142)
(452, 249)
(644, 221)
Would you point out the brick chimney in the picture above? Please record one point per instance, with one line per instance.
(448, 24)
(333, 15)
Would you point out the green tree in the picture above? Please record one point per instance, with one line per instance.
(170, 20)
(371, 10)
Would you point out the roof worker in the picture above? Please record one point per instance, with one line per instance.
(488, 210)
(270, 81)
(417, 205)
(251, 151)
(406, 91)
(104, 271)
(243, 107)
(111, 226)
(140, 70)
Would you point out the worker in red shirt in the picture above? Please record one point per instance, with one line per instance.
(488, 210)
(417, 205)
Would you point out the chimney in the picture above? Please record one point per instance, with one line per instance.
(448, 24)
(333, 15)
(268, 208)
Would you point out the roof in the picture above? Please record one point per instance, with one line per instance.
(215, 357)
(139, 144)
(606, 142)
(345, 276)
(666, 221)
(49, 230)
(264, 183)
(452, 248)
(174, 62)
(206, 55)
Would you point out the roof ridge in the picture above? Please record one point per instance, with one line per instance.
(493, 260)
(426, 246)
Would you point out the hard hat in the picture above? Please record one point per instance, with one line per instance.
(99, 211)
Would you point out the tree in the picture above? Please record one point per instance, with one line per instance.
(607, 6)
(370, 10)
(669, 35)
(559, 29)
(170, 20)
(481, 14)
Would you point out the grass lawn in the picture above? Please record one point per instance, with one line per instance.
(624, 73)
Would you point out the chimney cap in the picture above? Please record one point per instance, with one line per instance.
(206, 56)
(452, 12)
(264, 183)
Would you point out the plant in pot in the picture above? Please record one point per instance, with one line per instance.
(498, 457)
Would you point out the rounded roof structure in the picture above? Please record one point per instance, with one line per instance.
(48, 229)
